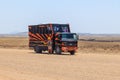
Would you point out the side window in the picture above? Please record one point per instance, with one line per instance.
(40, 30)
(57, 29)
(65, 29)
(33, 30)
(45, 30)
(49, 31)
(37, 29)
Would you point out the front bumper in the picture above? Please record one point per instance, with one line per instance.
(67, 49)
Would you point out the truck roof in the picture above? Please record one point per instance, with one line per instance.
(49, 24)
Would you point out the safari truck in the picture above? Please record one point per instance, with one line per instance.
(52, 38)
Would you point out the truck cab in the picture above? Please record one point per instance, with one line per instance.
(66, 42)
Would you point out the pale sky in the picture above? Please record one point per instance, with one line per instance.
(84, 16)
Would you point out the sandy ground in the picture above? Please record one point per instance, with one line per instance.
(16, 64)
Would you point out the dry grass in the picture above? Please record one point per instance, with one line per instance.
(101, 37)
(84, 46)
(14, 42)
(101, 47)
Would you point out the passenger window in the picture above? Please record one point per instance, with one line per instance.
(49, 31)
(65, 29)
(41, 30)
(45, 30)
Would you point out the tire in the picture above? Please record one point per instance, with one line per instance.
(72, 52)
(50, 51)
(58, 50)
(37, 49)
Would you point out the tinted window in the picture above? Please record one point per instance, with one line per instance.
(61, 28)
(69, 36)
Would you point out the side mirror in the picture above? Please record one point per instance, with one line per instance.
(77, 37)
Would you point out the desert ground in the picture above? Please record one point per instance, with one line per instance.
(93, 61)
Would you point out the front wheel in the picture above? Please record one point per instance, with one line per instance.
(58, 50)
(72, 52)
(37, 49)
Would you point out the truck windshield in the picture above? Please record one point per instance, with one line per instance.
(69, 36)
(61, 28)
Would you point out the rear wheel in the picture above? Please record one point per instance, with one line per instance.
(72, 52)
(37, 49)
(58, 50)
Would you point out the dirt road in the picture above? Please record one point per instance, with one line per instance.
(16, 64)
